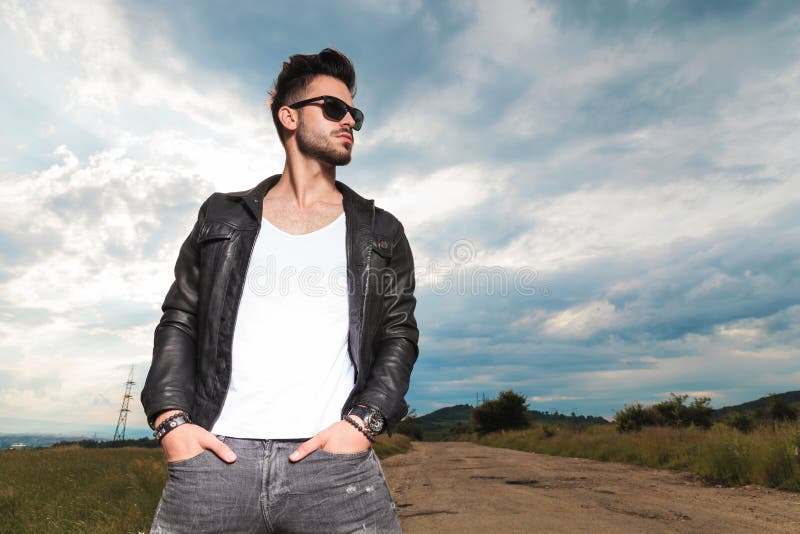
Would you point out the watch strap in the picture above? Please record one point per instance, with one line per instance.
(372, 418)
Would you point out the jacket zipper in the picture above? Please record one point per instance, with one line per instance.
(363, 308)
(233, 325)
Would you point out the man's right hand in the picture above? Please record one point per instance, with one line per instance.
(188, 440)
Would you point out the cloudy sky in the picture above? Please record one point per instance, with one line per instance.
(601, 197)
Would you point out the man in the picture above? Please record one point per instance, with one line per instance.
(266, 387)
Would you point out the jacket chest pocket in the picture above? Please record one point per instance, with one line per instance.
(382, 276)
(382, 250)
(214, 237)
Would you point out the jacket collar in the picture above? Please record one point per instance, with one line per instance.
(354, 204)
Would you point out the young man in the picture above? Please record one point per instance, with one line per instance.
(288, 337)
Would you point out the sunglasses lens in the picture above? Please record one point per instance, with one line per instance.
(359, 118)
(336, 109)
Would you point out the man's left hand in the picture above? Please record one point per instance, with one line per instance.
(339, 438)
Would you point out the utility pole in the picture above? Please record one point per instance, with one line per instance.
(123, 411)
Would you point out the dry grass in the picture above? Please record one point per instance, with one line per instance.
(768, 456)
(71, 489)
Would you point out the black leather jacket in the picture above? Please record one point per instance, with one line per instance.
(191, 367)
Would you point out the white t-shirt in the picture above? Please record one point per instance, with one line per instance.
(291, 369)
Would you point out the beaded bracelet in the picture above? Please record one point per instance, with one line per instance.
(360, 428)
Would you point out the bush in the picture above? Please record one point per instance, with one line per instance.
(673, 412)
(777, 467)
(635, 417)
(509, 411)
(743, 422)
(409, 427)
(728, 463)
(459, 428)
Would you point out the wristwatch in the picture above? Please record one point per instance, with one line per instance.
(372, 418)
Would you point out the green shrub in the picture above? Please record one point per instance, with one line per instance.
(777, 467)
(743, 422)
(509, 411)
(548, 431)
(459, 428)
(409, 427)
(635, 417)
(673, 412)
(729, 463)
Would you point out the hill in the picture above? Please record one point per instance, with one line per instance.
(758, 405)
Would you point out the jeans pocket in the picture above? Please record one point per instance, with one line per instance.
(359, 454)
(189, 461)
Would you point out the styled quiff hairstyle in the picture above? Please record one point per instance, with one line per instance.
(297, 73)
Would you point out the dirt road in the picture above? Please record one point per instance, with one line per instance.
(463, 487)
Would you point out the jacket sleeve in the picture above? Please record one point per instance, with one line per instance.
(170, 381)
(398, 337)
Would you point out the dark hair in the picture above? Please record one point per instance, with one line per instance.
(297, 73)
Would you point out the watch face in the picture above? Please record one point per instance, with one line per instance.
(375, 422)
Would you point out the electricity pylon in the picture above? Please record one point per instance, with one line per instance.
(119, 433)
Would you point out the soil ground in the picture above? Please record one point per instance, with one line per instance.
(464, 487)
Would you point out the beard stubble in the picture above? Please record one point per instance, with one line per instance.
(321, 147)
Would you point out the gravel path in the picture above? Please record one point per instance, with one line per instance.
(463, 487)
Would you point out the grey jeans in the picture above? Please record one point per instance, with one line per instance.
(263, 492)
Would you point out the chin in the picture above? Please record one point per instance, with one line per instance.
(342, 158)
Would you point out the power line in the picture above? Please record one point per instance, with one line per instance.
(123, 411)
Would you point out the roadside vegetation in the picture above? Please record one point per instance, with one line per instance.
(758, 447)
(74, 488)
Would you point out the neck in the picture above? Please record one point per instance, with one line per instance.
(306, 181)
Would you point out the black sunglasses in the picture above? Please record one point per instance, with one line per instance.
(334, 108)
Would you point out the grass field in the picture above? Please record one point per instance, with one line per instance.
(768, 456)
(72, 489)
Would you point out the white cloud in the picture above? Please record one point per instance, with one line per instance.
(418, 199)
(579, 322)
(102, 233)
(597, 222)
(111, 75)
(551, 398)
(713, 154)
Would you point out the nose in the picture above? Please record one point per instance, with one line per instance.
(348, 120)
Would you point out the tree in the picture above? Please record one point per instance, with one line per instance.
(509, 411)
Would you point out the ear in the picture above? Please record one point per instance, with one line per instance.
(288, 118)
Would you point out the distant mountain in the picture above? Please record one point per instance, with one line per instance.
(32, 441)
(450, 414)
(38, 431)
(790, 397)
(437, 424)
(17, 425)
(36, 441)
